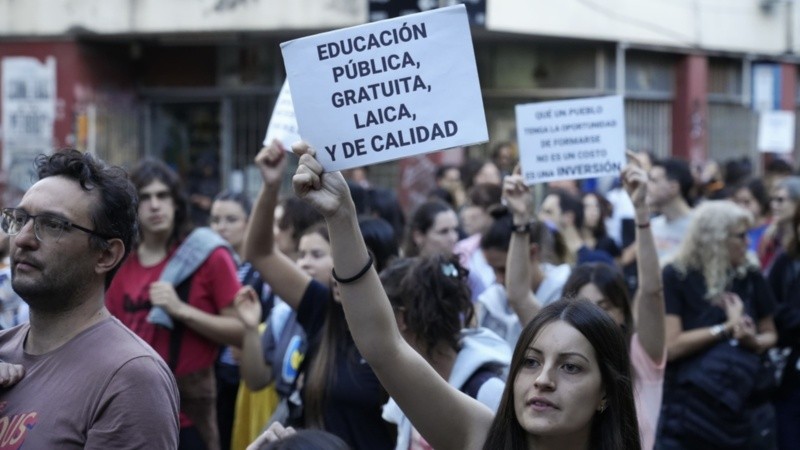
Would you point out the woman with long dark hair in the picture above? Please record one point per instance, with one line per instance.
(340, 392)
(641, 321)
(569, 383)
(431, 302)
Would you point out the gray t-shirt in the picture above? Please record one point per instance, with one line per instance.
(104, 389)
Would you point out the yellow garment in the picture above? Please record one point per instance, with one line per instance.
(253, 410)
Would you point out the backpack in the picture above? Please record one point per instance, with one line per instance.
(474, 383)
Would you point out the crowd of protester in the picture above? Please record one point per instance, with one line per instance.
(660, 313)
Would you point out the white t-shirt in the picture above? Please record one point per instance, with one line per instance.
(668, 236)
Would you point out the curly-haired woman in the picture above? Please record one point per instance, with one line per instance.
(718, 323)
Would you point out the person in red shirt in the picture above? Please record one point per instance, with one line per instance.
(201, 308)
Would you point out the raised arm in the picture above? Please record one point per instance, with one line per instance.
(287, 280)
(446, 418)
(648, 303)
(256, 373)
(518, 198)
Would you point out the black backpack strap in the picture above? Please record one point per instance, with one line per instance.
(176, 334)
(473, 384)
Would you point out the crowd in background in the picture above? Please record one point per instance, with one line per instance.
(699, 266)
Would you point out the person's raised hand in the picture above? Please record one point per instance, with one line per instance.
(271, 161)
(517, 197)
(327, 192)
(634, 178)
(248, 307)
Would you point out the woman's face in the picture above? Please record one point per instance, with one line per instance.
(229, 220)
(441, 237)
(781, 204)
(744, 198)
(314, 257)
(737, 244)
(488, 174)
(592, 293)
(475, 219)
(559, 387)
(550, 211)
(591, 211)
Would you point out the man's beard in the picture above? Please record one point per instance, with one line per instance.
(45, 296)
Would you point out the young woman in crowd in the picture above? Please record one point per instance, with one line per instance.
(340, 392)
(641, 318)
(431, 302)
(784, 197)
(562, 210)
(597, 244)
(784, 278)
(752, 196)
(229, 214)
(433, 228)
(569, 382)
(641, 321)
(476, 218)
(476, 171)
(715, 297)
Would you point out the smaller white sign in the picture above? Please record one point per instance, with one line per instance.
(571, 139)
(776, 131)
(283, 125)
(387, 90)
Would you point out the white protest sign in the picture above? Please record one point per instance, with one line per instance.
(776, 131)
(388, 89)
(571, 139)
(283, 125)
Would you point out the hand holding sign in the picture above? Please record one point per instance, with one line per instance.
(326, 192)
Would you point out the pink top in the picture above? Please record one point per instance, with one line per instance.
(648, 385)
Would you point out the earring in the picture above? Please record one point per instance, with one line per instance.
(602, 407)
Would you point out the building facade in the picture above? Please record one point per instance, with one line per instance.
(194, 81)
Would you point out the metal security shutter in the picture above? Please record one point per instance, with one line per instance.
(732, 132)
(244, 123)
(648, 125)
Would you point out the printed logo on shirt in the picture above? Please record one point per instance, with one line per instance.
(292, 359)
(133, 305)
(13, 429)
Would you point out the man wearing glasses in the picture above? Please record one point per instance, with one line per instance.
(89, 383)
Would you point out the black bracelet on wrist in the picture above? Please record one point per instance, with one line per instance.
(355, 277)
(524, 228)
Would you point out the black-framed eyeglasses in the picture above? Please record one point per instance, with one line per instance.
(46, 227)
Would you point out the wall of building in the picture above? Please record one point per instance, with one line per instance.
(720, 25)
(49, 17)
